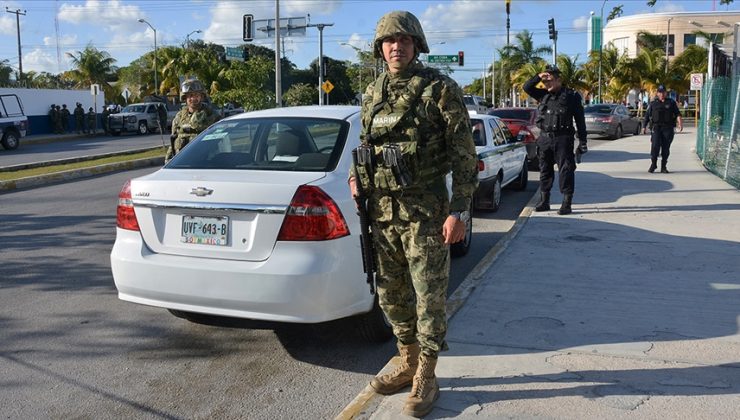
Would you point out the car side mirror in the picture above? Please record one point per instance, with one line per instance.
(520, 137)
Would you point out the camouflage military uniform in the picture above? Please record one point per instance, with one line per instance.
(79, 114)
(65, 118)
(187, 125)
(92, 121)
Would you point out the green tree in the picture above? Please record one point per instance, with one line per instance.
(5, 72)
(300, 94)
(247, 80)
(92, 66)
(615, 13)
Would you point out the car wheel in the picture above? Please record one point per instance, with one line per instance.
(521, 181)
(461, 248)
(637, 129)
(374, 326)
(143, 128)
(495, 195)
(618, 133)
(10, 141)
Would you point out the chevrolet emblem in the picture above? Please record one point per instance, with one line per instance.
(201, 191)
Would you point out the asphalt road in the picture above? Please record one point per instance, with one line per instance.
(70, 349)
(29, 152)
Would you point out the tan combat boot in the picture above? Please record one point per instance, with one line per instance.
(425, 390)
(403, 375)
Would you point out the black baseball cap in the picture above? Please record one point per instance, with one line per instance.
(661, 88)
(552, 69)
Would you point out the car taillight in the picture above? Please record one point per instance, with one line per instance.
(481, 166)
(312, 216)
(604, 119)
(125, 216)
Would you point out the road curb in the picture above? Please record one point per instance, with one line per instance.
(365, 403)
(59, 177)
(32, 165)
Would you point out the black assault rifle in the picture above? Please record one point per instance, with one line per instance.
(366, 239)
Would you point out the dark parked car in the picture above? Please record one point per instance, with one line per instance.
(611, 120)
(522, 121)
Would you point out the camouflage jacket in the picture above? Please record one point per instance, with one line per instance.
(423, 111)
(187, 125)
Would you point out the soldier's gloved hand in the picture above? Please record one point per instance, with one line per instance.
(186, 129)
(173, 137)
(582, 147)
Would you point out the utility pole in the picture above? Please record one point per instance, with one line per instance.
(278, 67)
(601, 43)
(493, 80)
(18, 14)
(508, 25)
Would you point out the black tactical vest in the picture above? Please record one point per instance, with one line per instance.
(661, 113)
(555, 116)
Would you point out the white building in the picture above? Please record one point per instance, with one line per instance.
(681, 28)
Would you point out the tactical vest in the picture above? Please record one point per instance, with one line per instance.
(408, 124)
(661, 113)
(555, 116)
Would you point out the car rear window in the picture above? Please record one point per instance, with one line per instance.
(597, 109)
(270, 144)
(513, 114)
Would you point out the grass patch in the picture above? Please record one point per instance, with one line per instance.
(8, 176)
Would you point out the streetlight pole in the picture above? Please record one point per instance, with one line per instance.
(667, 43)
(601, 43)
(187, 37)
(156, 85)
(18, 14)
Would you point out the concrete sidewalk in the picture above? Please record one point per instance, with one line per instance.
(628, 308)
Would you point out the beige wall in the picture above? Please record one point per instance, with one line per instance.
(622, 32)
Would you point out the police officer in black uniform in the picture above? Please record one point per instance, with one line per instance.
(559, 108)
(662, 113)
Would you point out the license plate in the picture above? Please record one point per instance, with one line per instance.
(204, 230)
(590, 119)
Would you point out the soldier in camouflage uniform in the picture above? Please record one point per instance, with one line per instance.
(92, 123)
(79, 114)
(65, 118)
(193, 118)
(421, 112)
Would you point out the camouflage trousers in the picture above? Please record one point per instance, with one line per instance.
(413, 267)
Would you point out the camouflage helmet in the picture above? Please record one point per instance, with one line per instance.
(399, 22)
(191, 86)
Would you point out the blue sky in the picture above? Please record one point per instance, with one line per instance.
(51, 28)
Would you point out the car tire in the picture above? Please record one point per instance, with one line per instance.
(638, 128)
(10, 141)
(143, 128)
(618, 133)
(495, 196)
(520, 184)
(462, 248)
(374, 326)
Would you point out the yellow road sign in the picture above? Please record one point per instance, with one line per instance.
(327, 86)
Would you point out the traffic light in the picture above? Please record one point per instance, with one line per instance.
(551, 28)
(460, 58)
(247, 28)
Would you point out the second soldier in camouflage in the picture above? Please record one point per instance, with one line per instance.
(193, 118)
(414, 116)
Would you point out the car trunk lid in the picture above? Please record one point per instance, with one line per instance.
(221, 214)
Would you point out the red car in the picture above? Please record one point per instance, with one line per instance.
(522, 120)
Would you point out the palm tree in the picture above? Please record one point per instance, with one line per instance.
(92, 66)
(523, 50)
(571, 73)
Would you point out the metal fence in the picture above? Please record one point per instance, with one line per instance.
(717, 131)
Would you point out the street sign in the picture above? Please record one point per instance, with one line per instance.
(327, 87)
(697, 81)
(234, 53)
(126, 93)
(442, 59)
(94, 89)
(265, 28)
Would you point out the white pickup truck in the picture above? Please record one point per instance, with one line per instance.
(502, 160)
(13, 121)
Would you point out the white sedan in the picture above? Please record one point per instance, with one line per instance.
(253, 219)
